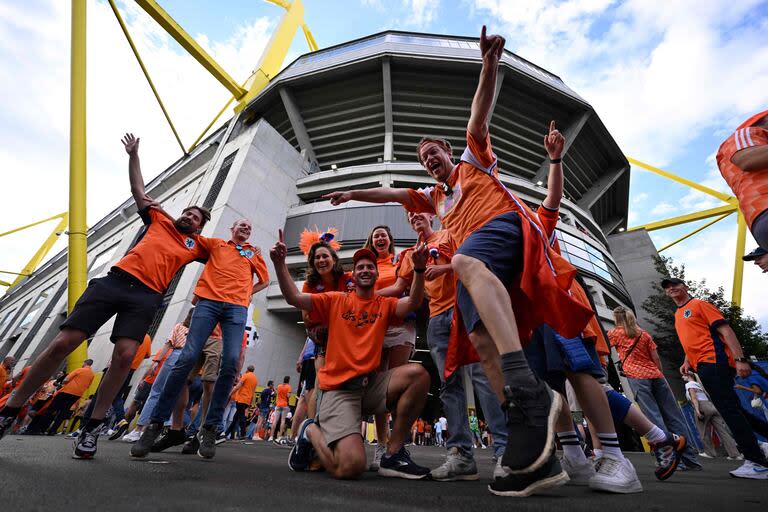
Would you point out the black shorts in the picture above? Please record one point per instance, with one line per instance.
(308, 374)
(117, 293)
(499, 245)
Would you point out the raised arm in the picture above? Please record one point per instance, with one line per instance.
(413, 301)
(288, 288)
(131, 145)
(554, 142)
(491, 49)
(370, 195)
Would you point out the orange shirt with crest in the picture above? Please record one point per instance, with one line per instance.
(442, 290)
(228, 274)
(356, 330)
(696, 323)
(160, 252)
(751, 188)
(244, 394)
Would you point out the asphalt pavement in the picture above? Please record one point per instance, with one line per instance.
(38, 473)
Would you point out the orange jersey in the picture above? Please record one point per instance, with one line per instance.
(696, 323)
(356, 330)
(228, 274)
(283, 392)
(78, 381)
(442, 290)
(145, 349)
(751, 188)
(244, 394)
(160, 252)
(387, 272)
(150, 377)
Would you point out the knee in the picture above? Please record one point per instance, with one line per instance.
(417, 375)
(350, 468)
(463, 265)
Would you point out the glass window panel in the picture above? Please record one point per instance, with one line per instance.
(32, 313)
(577, 251)
(101, 262)
(573, 240)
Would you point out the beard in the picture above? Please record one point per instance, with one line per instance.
(184, 226)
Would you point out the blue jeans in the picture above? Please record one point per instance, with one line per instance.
(157, 387)
(657, 402)
(455, 399)
(207, 314)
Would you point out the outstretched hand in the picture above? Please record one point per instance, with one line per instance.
(338, 198)
(554, 142)
(279, 251)
(491, 47)
(420, 254)
(130, 143)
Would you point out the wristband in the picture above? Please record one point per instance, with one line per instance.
(419, 270)
(555, 160)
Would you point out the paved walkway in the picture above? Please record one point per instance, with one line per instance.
(37, 473)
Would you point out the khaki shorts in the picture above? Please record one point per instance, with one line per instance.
(400, 335)
(340, 412)
(209, 362)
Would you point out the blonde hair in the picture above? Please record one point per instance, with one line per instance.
(625, 318)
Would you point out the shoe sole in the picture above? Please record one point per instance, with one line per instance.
(84, 456)
(391, 473)
(554, 412)
(539, 485)
(456, 478)
(756, 476)
(668, 472)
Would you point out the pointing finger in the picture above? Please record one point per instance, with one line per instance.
(280, 236)
(483, 39)
(552, 126)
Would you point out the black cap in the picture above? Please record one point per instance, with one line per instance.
(669, 281)
(755, 254)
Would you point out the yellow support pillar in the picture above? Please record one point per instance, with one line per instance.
(738, 270)
(77, 254)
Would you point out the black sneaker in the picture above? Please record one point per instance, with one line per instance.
(191, 446)
(531, 415)
(6, 423)
(549, 475)
(169, 439)
(120, 429)
(207, 438)
(144, 445)
(302, 452)
(401, 465)
(85, 445)
(221, 438)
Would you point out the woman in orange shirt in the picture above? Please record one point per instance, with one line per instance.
(400, 340)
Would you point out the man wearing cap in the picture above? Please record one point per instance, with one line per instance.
(349, 385)
(743, 162)
(760, 257)
(713, 351)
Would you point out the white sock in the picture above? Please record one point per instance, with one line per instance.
(598, 452)
(655, 435)
(571, 446)
(610, 444)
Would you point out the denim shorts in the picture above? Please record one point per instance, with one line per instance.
(499, 245)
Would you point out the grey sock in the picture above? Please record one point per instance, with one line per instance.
(516, 371)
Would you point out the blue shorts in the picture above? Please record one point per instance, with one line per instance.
(619, 405)
(498, 244)
(546, 358)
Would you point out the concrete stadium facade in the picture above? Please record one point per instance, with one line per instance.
(345, 117)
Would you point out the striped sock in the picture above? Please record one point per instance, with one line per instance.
(610, 444)
(571, 446)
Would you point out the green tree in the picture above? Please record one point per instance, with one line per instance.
(662, 315)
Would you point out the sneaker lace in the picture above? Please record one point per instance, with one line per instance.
(88, 440)
(607, 466)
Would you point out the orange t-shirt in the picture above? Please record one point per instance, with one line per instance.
(78, 381)
(283, 392)
(640, 364)
(356, 330)
(345, 283)
(387, 272)
(244, 394)
(228, 274)
(441, 291)
(751, 188)
(696, 323)
(160, 252)
(151, 376)
(143, 352)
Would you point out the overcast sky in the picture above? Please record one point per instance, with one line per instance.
(671, 80)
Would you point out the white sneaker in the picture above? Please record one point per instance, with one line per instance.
(110, 431)
(380, 451)
(500, 471)
(579, 474)
(738, 457)
(750, 470)
(705, 455)
(614, 475)
(764, 449)
(132, 436)
(457, 466)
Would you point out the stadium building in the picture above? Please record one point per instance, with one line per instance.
(344, 117)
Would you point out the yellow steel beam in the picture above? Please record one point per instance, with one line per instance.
(189, 44)
(738, 270)
(146, 73)
(683, 181)
(42, 251)
(275, 52)
(684, 219)
(14, 273)
(685, 237)
(213, 121)
(77, 253)
(310, 38)
(4, 283)
(58, 216)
